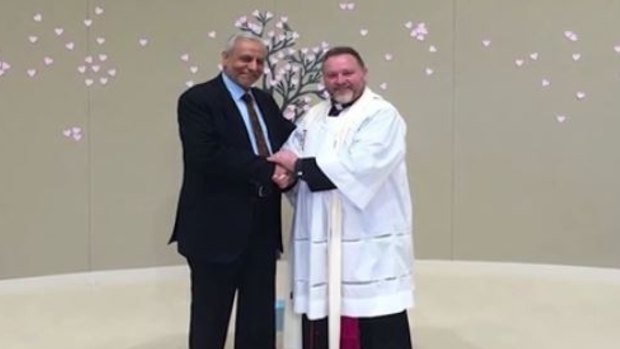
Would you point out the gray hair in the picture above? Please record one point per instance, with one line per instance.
(230, 44)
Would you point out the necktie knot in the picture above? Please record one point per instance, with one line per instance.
(247, 97)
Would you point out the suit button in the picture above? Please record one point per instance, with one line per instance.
(263, 191)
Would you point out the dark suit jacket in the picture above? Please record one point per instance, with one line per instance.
(224, 183)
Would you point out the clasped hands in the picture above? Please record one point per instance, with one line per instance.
(283, 175)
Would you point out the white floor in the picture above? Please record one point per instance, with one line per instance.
(460, 305)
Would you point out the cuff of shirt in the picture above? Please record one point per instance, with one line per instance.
(307, 170)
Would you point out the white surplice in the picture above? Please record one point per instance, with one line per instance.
(362, 151)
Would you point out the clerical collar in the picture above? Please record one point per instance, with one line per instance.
(337, 108)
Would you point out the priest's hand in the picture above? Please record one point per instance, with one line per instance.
(284, 158)
(282, 177)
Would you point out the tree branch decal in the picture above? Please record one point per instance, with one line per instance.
(292, 76)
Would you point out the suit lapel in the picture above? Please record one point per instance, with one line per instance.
(232, 114)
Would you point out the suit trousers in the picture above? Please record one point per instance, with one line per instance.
(252, 277)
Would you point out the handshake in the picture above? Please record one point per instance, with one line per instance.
(283, 174)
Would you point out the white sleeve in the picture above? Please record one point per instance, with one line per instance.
(294, 141)
(368, 156)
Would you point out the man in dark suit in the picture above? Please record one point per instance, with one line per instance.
(228, 223)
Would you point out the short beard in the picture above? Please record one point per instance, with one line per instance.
(344, 96)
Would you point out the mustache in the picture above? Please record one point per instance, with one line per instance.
(342, 88)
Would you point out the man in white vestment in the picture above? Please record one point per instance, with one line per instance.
(352, 246)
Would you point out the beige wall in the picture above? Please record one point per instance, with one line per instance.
(496, 176)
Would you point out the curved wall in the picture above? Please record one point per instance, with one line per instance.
(511, 106)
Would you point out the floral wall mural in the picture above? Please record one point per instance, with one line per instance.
(511, 108)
